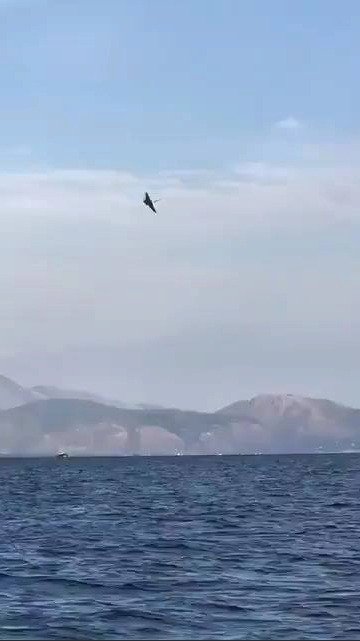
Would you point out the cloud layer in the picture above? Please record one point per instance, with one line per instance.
(288, 123)
(244, 270)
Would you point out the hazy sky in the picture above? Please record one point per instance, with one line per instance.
(244, 118)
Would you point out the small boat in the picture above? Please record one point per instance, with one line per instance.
(62, 456)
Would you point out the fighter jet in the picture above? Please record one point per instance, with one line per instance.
(150, 203)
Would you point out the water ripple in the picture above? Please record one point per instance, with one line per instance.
(185, 548)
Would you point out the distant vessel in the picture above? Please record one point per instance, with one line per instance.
(62, 455)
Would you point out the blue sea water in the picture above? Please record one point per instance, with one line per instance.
(241, 547)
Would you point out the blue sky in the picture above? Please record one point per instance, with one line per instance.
(152, 84)
(244, 118)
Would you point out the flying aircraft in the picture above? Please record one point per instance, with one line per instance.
(150, 203)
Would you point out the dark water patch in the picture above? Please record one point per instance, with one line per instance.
(203, 548)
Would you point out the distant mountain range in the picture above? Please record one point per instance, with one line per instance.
(44, 420)
(12, 395)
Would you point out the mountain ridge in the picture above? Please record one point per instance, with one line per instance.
(37, 424)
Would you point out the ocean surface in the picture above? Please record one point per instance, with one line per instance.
(243, 547)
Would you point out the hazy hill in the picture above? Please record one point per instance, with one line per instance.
(275, 406)
(84, 426)
(294, 423)
(12, 394)
(44, 420)
(51, 392)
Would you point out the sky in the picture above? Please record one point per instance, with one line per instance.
(243, 117)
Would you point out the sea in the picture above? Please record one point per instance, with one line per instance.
(223, 547)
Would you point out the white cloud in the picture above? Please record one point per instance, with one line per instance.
(260, 172)
(288, 123)
(193, 206)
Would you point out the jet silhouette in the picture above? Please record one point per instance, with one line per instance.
(147, 201)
